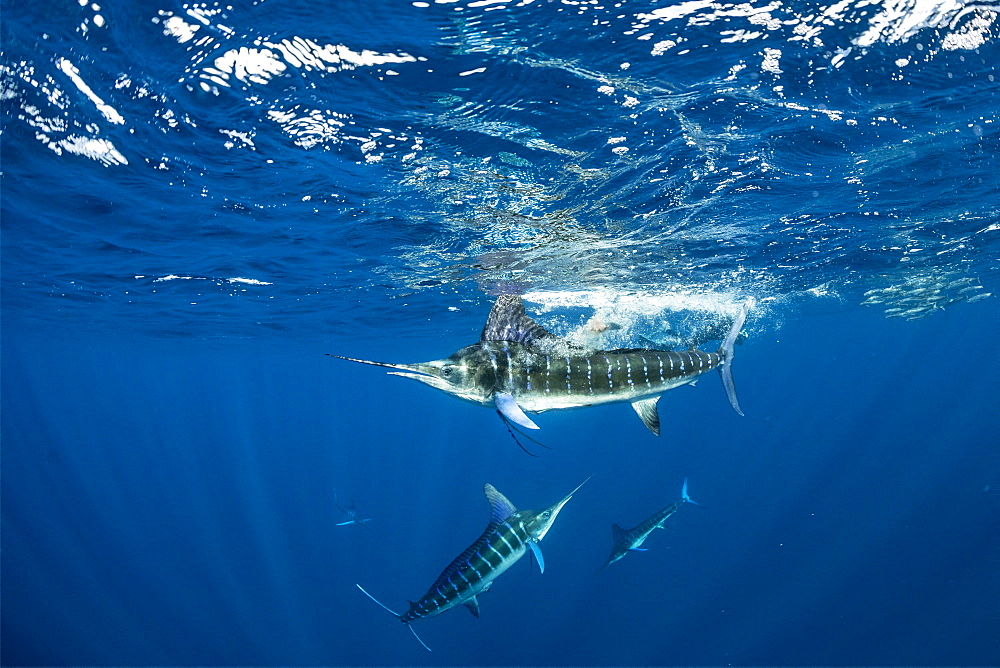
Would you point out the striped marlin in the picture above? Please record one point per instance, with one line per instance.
(631, 539)
(508, 536)
(519, 367)
(351, 512)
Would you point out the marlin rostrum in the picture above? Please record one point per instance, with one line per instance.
(631, 540)
(518, 366)
(508, 536)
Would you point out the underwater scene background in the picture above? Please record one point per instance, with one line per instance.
(200, 201)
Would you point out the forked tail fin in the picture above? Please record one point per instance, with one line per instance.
(726, 350)
(385, 607)
(684, 494)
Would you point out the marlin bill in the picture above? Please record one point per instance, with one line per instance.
(508, 536)
(518, 367)
(631, 540)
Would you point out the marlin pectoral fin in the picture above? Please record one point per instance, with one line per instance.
(537, 551)
(473, 605)
(638, 549)
(646, 410)
(509, 409)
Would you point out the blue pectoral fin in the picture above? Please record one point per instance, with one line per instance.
(638, 549)
(537, 551)
(509, 409)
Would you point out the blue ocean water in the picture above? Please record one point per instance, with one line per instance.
(200, 201)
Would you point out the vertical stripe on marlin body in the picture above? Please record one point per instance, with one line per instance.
(517, 367)
(508, 536)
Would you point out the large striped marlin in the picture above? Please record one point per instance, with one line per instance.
(508, 536)
(627, 540)
(518, 366)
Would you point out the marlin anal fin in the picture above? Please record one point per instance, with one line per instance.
(508, 322)
(473, 605)
(500, 507)
(537, 552)
(646, 410)
(508, 407)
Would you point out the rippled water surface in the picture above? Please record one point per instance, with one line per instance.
(195, 163)
(199, 200)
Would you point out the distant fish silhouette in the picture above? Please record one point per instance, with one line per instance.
(630, 540)
(351, 512)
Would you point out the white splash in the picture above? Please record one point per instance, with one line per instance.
(634, 302)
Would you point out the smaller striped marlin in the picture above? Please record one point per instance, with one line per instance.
(630, 540)
(508, 536)
(351, 511)
(518, 366)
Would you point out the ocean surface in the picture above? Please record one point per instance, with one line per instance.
(200, 201)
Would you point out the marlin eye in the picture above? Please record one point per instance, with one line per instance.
(446, 371)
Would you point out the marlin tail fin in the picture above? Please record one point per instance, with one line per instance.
(385, 607)
(684, 494)
(726, 350)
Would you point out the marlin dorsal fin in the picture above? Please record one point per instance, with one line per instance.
(500, 507)
(508, 322)
(617, 532)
